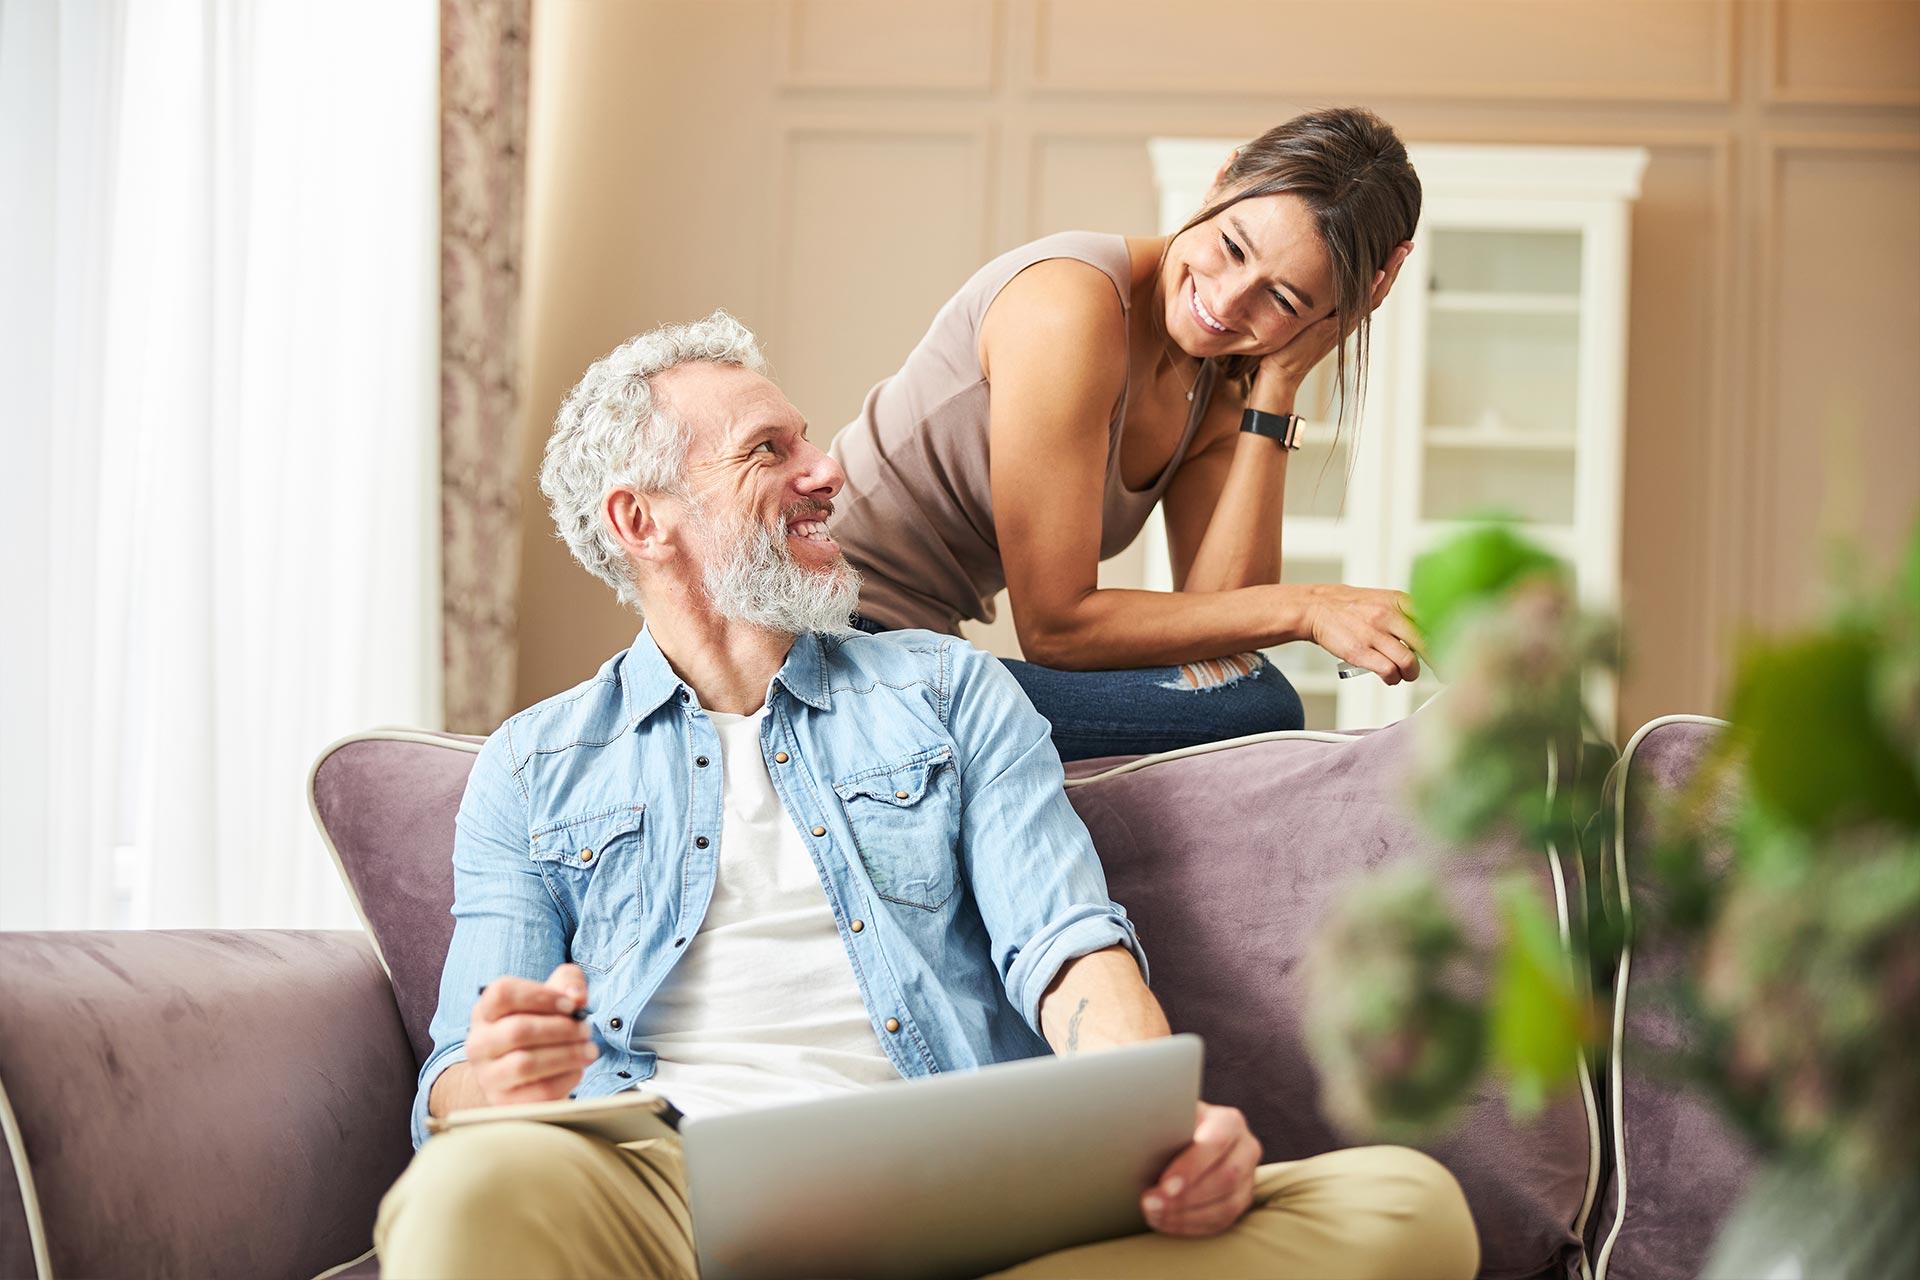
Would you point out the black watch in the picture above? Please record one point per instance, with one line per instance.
(1281, 427)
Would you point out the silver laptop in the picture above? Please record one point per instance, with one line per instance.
(954, 1175)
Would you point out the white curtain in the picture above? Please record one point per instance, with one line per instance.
(218, 386)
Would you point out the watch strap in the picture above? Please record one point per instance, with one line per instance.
(1283, 428)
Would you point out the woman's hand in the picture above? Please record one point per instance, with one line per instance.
(1290, 365)
(1367, 627)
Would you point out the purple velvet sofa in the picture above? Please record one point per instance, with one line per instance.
(235, 1104)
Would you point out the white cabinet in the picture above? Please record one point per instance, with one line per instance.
(1497, 385)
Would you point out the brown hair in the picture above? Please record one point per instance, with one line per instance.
(1351, 169)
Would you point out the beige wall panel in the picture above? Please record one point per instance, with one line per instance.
(867, 44)
(1864, 52)
(1672, 329)
(1471, 49)
(1840, 382)
(879, 229)
(634, 219)
(1091, 184)
(829, 171)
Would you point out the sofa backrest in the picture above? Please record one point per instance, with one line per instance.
(1228, 857)
(384, 802)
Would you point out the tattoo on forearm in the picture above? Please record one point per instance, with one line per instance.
(1073, 1028)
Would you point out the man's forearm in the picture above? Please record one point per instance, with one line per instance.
(455, 1089)
(1098, 1001)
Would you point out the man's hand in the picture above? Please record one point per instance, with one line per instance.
(1206, 1188)
(525, 1043)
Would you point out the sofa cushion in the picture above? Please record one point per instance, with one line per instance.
(1227, 858)
(1676, 1168)
(197, 1102)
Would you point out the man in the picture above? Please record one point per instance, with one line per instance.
(779, 860)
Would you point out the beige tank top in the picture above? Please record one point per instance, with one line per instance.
(916, 518)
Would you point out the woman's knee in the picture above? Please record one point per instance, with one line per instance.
(1245, 692)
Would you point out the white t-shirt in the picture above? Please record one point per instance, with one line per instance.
(763, 1009)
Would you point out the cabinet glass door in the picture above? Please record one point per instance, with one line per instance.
(1502, 376)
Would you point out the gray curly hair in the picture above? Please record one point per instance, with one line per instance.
(614, 433)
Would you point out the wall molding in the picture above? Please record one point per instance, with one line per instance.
(791, 74)
(1775, 146)
(971, 128)
(1775, 90)
(1719, 90)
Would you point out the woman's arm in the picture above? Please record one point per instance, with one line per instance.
(1053, 346)
(1224, 505)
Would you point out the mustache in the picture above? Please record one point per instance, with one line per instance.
(808, 506)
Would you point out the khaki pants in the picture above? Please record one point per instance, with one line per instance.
(519, 1199)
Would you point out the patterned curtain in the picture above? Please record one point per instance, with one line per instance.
(483, 134)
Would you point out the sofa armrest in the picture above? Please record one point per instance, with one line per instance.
(198, 1103)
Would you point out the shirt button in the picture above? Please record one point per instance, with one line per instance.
(586, 855)
(699, 842)
(899, 795)
(893, 1024)
(819, 831)
(614, 1023)
(624, 1075)
(701, 761)
(779, 757)
(857, 925)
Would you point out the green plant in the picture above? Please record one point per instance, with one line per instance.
(1798, 901)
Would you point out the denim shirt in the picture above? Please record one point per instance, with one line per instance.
(924, 784)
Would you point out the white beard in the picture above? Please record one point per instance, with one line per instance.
(754, 578)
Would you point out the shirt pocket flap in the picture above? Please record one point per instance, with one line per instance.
(902, 785)
(580, 842)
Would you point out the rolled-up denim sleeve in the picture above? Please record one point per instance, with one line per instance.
(1029, 861)
(505, 922)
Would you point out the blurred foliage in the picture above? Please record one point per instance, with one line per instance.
(1790, 875)
(1394, 1018)
(1470, 574)
(1539, 1018)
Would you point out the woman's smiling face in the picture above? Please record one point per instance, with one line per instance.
(1245, 281)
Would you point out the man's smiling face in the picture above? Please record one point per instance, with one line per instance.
(760, 495)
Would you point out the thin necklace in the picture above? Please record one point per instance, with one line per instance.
(1190, 386)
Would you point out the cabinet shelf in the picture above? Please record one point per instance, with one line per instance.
(1505, 304)
(1560, 539)
(1499, 438)
(1312, 681)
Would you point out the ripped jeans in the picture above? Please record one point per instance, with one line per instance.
(1146, 709)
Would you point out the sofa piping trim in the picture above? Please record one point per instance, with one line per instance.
(29, 1197)
(1588, 1101)
(425, 737)
(1616, 1087)
(348, 1265)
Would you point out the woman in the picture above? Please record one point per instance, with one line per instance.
(1077, 381)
